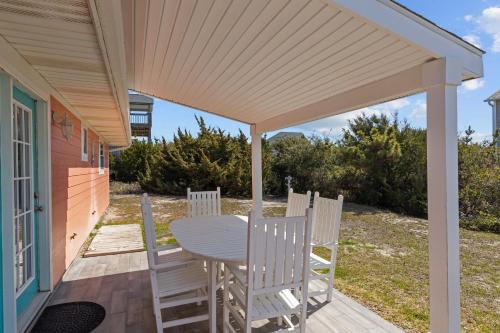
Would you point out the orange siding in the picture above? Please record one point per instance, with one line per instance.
(79, 193)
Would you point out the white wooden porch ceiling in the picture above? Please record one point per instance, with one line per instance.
(255, 60)
(59, 40)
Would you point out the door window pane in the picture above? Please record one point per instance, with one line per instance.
(20, 156)
(19, 270)
(20, 129)
(29, 263)
(27, 126)
(23, 194)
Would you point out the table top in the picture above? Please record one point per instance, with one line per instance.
(218, 238)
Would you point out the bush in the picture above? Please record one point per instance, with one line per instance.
(210, 159)
(128, 165)
(378, 161)
(479, 184)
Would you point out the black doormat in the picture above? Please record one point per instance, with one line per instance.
(74, 317)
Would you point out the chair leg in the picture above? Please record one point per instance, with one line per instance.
(248, 323)
(331, 275)
(225, 316)
(157, 310)
(303, 317)
(219, 272)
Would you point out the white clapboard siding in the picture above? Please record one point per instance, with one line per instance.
(278, 256)
(205, 203)
(175, 280)
(297, 203)
(326, 229)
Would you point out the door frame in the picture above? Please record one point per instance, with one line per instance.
(11, 321)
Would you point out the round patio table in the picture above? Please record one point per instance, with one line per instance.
(214, 239)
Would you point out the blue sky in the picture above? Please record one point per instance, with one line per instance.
(477, 21)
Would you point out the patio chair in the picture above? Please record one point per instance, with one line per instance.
(278, 251)
(174, 282)
(297, 203)
(206, 203)
(326, 228)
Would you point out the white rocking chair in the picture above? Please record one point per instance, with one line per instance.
(206, 203)
(278, 253)
(326, 229)
(175, 280)
(297, 203)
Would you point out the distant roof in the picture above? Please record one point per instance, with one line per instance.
(282, 135)
(139, 99)
(494, 97)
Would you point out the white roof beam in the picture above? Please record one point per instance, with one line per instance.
(405, 83)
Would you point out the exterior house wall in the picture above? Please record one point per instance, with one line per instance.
(80, 194)
(496, 119)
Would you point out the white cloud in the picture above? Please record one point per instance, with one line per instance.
(473, 39)
(489, 22)
(333, 125)
(395, 104)
(480, 136)
(468, 18)
(473, 84)
(420, 110)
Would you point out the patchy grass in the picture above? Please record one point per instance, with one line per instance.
(382, 259)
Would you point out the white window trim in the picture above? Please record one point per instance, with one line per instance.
(101, 166)
(85, 136)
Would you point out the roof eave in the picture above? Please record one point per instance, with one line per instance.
(397, 19)
(107, 19)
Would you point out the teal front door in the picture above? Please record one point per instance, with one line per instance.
(25, 188)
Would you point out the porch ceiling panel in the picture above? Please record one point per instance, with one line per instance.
(256, 60)
(58, 39)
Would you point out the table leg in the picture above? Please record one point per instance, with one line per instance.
(212, 296)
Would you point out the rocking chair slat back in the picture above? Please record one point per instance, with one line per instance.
(327, 215)
(297, 203)
(205, 203)
(277, 250)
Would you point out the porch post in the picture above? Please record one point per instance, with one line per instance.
(256, 170)
(442, 179)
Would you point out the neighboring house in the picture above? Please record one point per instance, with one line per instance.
(283, 135)
(60, 108)
(141, 115)
(494, 102)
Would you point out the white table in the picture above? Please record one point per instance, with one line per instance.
(214, 239)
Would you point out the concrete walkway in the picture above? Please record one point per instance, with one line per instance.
(115, 239)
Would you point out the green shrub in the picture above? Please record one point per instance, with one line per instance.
(377, 161)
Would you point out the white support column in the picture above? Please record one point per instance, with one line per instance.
(256, 170)
(442, 179)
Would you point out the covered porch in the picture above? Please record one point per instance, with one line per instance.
(267, 64)
(277, 64)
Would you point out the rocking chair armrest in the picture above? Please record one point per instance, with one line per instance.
(166, 248)
(166, 265)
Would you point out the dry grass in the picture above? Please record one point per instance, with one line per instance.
(382, 260)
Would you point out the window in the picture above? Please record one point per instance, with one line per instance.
(101, 158)
(85, 146)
